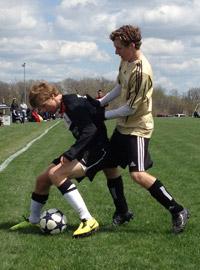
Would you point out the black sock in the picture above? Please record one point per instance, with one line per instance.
(159, 192)
(65, 187)
(115, 186)
(37, 203)
(39, 198)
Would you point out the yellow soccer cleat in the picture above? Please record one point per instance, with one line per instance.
(86, 228)
(23, 225)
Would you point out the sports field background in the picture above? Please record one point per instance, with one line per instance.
(144, 243)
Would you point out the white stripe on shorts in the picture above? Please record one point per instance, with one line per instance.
(94, 164)
(140, 146)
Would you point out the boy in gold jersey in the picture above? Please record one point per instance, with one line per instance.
(130, 139)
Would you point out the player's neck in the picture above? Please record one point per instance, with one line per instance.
(136, 56)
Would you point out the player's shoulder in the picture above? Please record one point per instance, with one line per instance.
(146, 66)
(69, 97)
(72, 100)
(78, 104)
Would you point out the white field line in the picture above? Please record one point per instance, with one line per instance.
(19, 152)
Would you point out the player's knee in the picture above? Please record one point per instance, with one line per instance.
(56, 175)
(53, 175)
(137, 177)
(111, 173)
(143, 179)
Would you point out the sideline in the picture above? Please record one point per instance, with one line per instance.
(19, 152)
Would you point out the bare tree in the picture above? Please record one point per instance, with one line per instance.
(162, 103)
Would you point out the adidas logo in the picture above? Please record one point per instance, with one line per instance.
(132, 164)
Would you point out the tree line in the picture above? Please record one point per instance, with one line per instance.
(163, 104)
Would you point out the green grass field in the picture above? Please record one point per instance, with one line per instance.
(144, 243)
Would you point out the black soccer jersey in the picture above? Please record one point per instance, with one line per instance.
(81, 119)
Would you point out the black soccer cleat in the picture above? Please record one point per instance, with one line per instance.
(121, 218)
(179, 221)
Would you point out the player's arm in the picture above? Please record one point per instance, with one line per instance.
(114, 93)
(102, 115)
(137, 96)
(122, 111)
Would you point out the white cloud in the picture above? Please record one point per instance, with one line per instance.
(26, 20)
(94, 25)
(164, 82)
(18, 18)
(74, 3)
(71, 37)
(7, 65)
(162, 46)
(173, 15)
(82, 49)
(67, 24)
(189, 65)
(48, 50)
(16, 44)
(165, 14)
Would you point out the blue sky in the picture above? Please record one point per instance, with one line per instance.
(70, 39)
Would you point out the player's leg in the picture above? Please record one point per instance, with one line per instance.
(142, 162)
(40, 195)
(158, 191)
(60, 176)
(38, 200)
(116, 189)
(67, 169)
(117, 157)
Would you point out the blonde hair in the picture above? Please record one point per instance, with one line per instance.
(41, 92)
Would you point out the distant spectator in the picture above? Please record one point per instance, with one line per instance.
(53, 116)
(14, 105)
(23, 108)
(196, 114)
(100, 94)
(33, 115)
(16, 114)
(45, 116)
(1, 119)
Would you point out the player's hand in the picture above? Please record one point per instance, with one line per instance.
(94, 102)
(100, 111)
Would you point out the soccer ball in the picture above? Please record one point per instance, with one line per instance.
(53, 221)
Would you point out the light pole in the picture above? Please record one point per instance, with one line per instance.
(24, 66)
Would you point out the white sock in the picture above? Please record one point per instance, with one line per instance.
(75, 199)
(35, 210)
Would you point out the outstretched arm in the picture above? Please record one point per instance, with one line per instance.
(124, 110)
(115, 92)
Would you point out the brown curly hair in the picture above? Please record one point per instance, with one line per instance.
(41, 92)
(128, 34)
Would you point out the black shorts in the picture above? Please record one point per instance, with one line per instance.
(129, 150)
(92, 161)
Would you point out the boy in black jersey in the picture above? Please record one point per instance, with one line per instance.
(84, 158)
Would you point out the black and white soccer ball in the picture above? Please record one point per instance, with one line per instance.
(53, 221)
